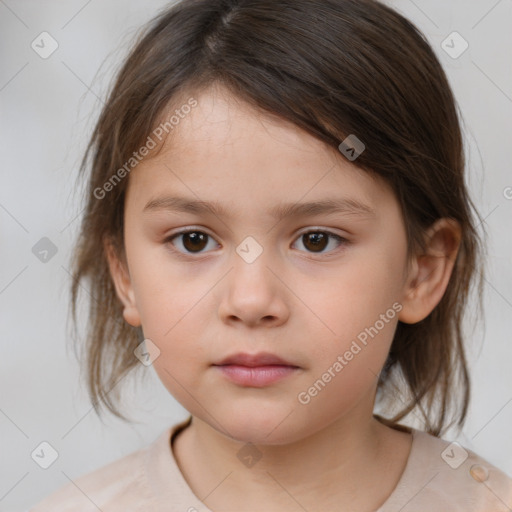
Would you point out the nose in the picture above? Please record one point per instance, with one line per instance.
(253, 294)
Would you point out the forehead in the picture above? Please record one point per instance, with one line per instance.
(222, 118)
(224, 149)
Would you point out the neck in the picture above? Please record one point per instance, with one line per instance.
(330, 465)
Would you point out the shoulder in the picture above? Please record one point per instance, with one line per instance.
(446, 475)
(119, 486)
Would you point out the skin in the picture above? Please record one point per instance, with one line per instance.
(304, 306)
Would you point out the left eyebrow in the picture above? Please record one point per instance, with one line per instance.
(344, 206)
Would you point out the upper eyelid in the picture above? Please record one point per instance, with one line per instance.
(303, 231)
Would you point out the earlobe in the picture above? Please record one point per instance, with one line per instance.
(122, 282)
(430, 272)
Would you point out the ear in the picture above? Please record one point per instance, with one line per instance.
(122, 282)
(430, 271)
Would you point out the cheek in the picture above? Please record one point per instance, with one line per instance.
(344, 302)
(345, 368)
(355, 317)
(171, 308)
(173, 323)
(163, 295)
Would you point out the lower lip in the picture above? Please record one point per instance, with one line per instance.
(258, 376)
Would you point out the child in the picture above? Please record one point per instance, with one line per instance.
(278, 222)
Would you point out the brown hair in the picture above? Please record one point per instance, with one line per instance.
(333, 68)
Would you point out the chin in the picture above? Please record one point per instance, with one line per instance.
(261, 427)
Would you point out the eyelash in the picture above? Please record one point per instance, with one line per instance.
(342, 241)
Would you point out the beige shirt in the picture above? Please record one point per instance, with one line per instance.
(437, 477)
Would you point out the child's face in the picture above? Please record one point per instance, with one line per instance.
(303, 299)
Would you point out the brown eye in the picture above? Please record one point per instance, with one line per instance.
(193, 242)
(318, 241)
(315, 242)
(196, 242)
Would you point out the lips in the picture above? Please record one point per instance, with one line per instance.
(256, 370)
(254, 360)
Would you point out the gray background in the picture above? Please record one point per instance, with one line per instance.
(48, 108)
